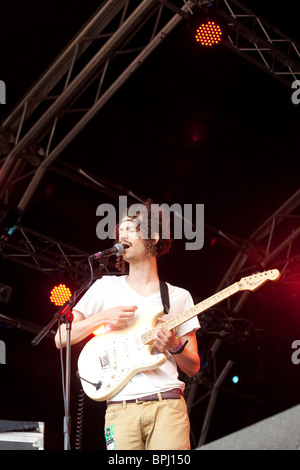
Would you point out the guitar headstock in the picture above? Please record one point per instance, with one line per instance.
(256, 280)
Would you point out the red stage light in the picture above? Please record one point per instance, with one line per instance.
(60, 295)
(208, 34)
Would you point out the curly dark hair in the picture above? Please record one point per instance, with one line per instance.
(157, 219)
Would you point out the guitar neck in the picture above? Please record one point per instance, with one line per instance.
(197, 309)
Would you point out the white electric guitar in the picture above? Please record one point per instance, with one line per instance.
(109, 361)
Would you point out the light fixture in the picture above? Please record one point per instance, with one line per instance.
(60, 294)
(208, 33)
(207, 27)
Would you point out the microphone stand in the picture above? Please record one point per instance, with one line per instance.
(65, 314)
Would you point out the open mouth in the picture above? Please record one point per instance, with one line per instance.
(126, 245)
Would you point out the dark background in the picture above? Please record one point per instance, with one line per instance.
(190, 126)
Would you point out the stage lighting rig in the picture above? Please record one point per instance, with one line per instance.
(207, 28)
(60, 294)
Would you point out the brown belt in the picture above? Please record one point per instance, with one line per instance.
(170, 394)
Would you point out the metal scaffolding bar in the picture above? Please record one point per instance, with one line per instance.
(111, 33)
(41, 253)
(212, 401)
(41, 135)
(260, 42)
(117, 27)
(271, 242)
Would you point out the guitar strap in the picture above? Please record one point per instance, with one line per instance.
(164, 293)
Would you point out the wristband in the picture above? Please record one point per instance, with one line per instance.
(179, 348)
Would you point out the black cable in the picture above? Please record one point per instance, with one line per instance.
(79, 422)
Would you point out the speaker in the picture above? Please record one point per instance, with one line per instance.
(279, 432)
(21, 435)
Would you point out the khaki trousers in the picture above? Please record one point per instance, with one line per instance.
(148, 425)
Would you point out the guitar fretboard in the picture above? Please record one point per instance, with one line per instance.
(149, 335)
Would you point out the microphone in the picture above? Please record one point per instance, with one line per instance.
(117, 249)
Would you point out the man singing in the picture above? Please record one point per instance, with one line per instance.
(149, 412)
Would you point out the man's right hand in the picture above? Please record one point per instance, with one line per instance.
(118, 317)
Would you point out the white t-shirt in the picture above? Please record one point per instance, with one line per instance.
(111, 291)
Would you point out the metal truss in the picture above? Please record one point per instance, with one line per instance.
(275, 244)
(212, 387)
(44, 254)
(75, 87)
(97, 62)
(260, 42)
(221, 332)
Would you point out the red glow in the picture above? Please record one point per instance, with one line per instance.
(213, 241)
(196, 138)
(208, 34)
(60, 294)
